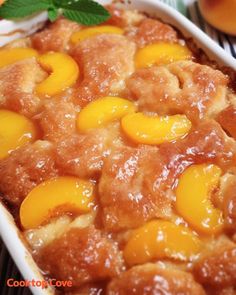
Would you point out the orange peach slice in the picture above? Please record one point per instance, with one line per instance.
(155, 129)
(13, 55)
(160, 239)
(64, 73)
(193, 198)
(102, 111)
(90, 32)
(220, 14)
(15, 131)
(62, 194)
(161, 54)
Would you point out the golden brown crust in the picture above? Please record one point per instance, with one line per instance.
(57, 120)
(55, 37)
(149, 279)
(152, 31)
(217, 269)
(134, 186)
(17, 83)
(225, 291)
(24, 169)
(228, 202)
(82, 256)
(128, 197)
(97, 288)
(82, 155)
(206, 143)
(227, 119)
(104, 73)
(123, 18)
(180, 87)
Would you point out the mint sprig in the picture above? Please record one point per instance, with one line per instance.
(21, 8)
(53, 13)
(86, 12)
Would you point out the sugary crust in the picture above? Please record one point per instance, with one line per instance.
(104, 73)
(151, 31)
(181, 87)
(82, 256)
(57, 120)
(127, 195)
(218, 268)
(149, 279)
(82, 155)
(135, 183)
(55, 37)
(17, 83)
(24, 169)
(124, 18)
(227, 118)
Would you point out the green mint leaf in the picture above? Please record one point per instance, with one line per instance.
(53, 14)
(21, 8)
(86, 12)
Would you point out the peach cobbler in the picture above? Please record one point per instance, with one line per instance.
(118, 157)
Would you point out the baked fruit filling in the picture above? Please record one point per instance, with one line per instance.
(118, 158)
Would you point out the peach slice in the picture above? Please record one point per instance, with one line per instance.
(90, 32)
(58, 195)
(15, 131)
(102, 111)
(161, 54)
(220, 14)
(64, 73)
(193, 198)
(13, 55)
(155, 129)
(160, 239)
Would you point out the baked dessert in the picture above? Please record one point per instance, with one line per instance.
(118, 157)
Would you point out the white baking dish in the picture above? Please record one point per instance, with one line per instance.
(11, 30)
(8, 230)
